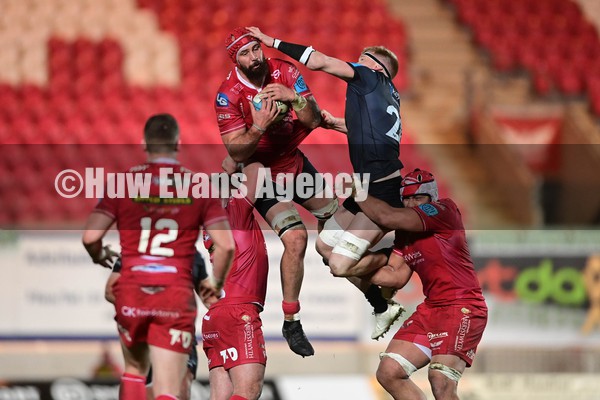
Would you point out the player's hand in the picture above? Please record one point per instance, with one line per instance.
(277, 91)
(266, 115)
(265, 39)
(207, 292)
(229, 165)
(107, 257)
(328, 121)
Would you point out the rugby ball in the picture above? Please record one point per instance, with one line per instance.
(281, 106)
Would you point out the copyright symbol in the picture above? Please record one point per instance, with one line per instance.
(68, 183)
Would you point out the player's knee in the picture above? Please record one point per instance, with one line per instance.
(252, 391)
(443, 380)
(388, 376)
(295, 241)
(395, 366)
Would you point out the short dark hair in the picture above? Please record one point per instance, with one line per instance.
(386, 56)
(161, 134)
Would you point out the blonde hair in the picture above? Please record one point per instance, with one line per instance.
(385, 56)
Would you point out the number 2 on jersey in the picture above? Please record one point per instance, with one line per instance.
(394, 132)
(158, 239)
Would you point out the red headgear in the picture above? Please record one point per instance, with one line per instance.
(419, 182)
(236, 39)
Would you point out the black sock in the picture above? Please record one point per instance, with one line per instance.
(375, 299)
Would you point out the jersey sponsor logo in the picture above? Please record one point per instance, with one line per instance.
(134, 312)
(436, 344)
(429, 209)
(155, 269)
(471, 354)
(300, 85)
(276, 74)
(222, 116)
(433, 336)
(222, 100)
(394, 93)
(465, 324)
(294, 71)
(237, 88)
(410, 257)
(159, 200)
(210, 335)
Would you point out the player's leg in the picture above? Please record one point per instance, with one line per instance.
(137, 363)
(359, 236)
(315, 195)
(247, 380)
(185, 391)
(133, 338)
(170, 337)
(444, 373)
(286, 222)
(221, 387)
(332, 230)
(397, 363)
(455, 350)
(169, 368)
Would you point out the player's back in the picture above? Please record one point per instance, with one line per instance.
(247, 278)
(159, 226)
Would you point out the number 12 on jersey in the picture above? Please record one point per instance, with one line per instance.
(159, 238)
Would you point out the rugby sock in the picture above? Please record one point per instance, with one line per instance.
(376, 299)
(236, 397)
(133, 387)
(290, 308)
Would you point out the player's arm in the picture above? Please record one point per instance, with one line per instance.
(308, 56)
(202, 283)
(390, 217)
(306, 108)
(241, 143)
(224, 250)
(96, 227)
(395, 274)
(328, 121)
(114, 276)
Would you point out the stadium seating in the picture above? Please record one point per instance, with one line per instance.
(85, 73)
(552, 39)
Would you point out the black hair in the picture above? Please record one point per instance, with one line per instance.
(161, 134)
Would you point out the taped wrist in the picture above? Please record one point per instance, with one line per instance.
(299, 102)
(296, 51)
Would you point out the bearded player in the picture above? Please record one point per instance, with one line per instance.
(263, 135)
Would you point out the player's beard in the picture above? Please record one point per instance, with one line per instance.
(256, 70)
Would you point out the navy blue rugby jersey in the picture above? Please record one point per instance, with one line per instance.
(373, 122)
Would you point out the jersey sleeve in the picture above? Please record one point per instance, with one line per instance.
(107, 206)
(229, 115)
(294, 79)
(438, 216)
(212, 212)
(398, 243)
